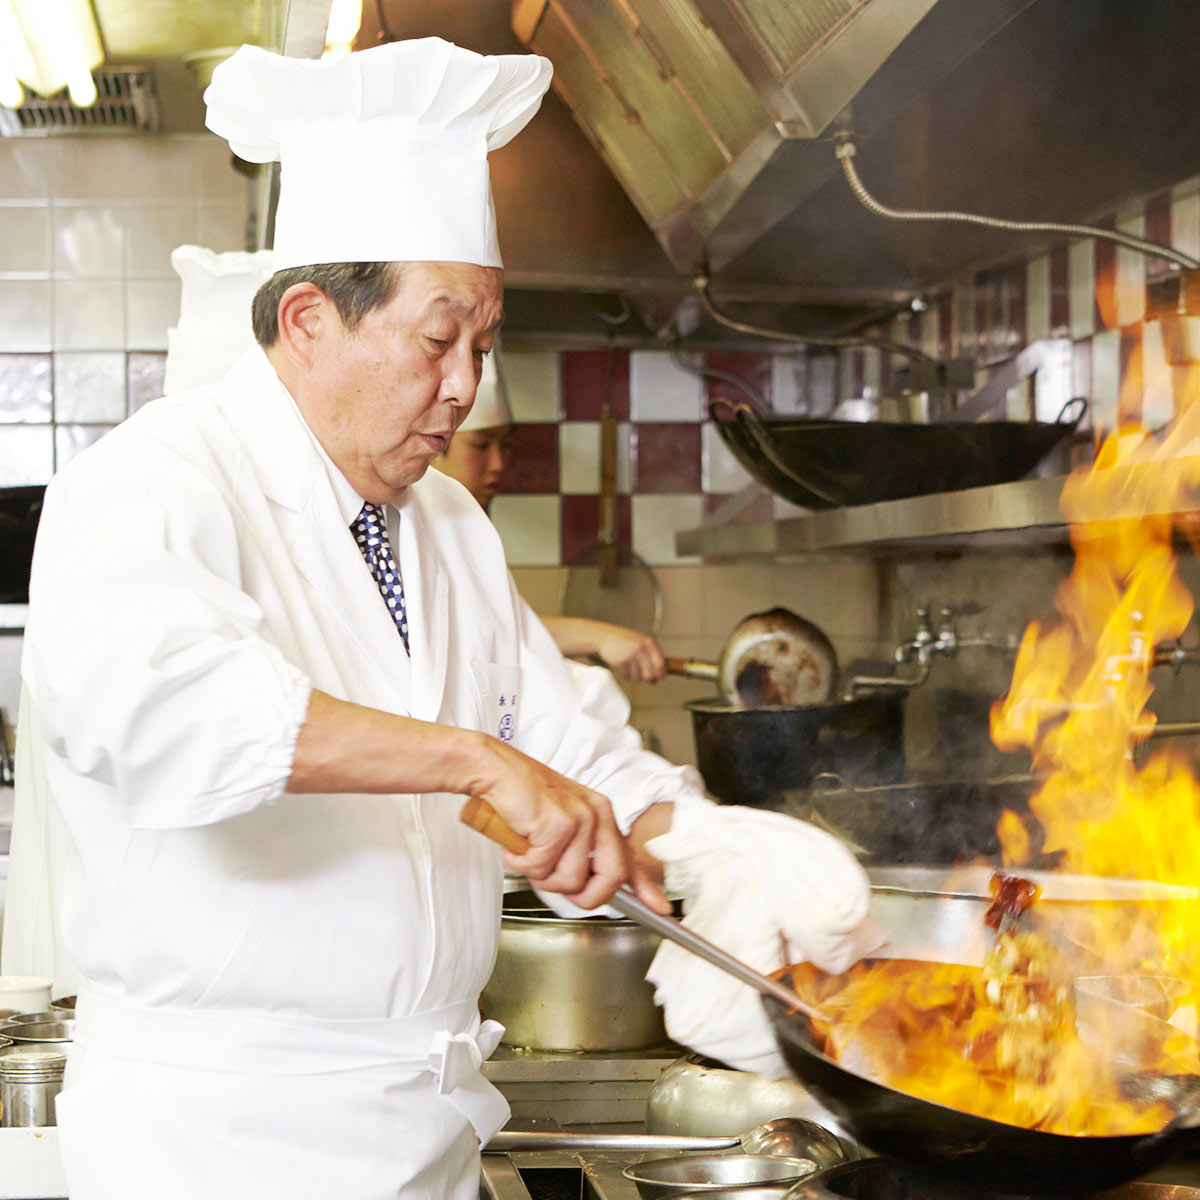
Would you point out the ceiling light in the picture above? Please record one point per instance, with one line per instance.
(50, 44)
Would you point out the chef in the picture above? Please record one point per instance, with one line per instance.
(268, 656)
(477, 457)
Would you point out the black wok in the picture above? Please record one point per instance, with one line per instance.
(974, 1149)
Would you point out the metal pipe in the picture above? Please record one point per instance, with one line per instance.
(803, 339)
(846, 151)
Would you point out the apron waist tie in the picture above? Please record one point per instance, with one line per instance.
(450, 1043)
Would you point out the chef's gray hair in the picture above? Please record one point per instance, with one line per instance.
(355, 289)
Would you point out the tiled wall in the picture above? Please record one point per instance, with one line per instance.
(87, 292)
(1092, 292)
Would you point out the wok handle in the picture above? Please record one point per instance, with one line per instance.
(695, 668)
(510, 1140)
(479, 815)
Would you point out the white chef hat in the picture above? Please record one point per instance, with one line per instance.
(214, 325)
(491, 403)
(383, 153)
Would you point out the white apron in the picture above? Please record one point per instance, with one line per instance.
(193, 580)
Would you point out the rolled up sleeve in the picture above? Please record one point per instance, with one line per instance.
(145, 657)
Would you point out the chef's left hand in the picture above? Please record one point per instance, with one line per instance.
(752, 881)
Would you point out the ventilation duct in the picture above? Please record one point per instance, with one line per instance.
(689, 100)
(126, 101)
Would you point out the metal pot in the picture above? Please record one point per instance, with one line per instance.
(698, 1096)
(754, 755)
(563, 984)
(773, 657)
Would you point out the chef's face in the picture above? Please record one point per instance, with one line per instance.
(477, 458)
(393, 390)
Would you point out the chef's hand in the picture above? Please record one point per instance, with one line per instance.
(634, 656)
(752, 881)
(575, 846)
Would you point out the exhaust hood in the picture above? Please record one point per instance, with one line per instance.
(689, 100)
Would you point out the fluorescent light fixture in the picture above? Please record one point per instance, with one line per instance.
(48, 45)
(345, 18)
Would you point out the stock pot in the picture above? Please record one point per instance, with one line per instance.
(562, 984)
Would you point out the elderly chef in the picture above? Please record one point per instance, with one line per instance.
(269, 655)
(477, 456)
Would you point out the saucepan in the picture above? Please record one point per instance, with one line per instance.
(773, 657)
(975, 1149)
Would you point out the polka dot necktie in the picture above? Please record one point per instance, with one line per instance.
(370, 532)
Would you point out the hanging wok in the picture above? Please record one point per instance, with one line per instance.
(977, 1150)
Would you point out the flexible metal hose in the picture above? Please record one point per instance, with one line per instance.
(803, 339)
(846, 152)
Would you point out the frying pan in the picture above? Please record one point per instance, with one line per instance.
(977, 1150)
(773, 657)
(940, 1139)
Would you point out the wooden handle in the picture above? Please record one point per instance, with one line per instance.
(483, 818)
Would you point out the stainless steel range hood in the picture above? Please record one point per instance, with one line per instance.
(689, 100)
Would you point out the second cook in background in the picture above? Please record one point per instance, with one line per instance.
(477, 456)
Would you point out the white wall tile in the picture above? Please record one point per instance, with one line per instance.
(153, 309)
(89, 240)
(1158, 400)
(659, 390)
(89, 386)
(720, 472)
(23, 168)
(216, 178)
(151, 233)
(1037, 297)
(1082, 274)
(221, 227)
(656, 520)
(1106, 378)
(532, 383)
(1131, 269)
(70, 440)
(89, 314)
(26, 454)
(25, 307)
(781, 508)
(530, 528)
(579, 457)
(787, 383)
(25, 239)
(624, 457)
(24, 388)
(1185, 221)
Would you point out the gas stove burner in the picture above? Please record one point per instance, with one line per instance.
(886, 1179)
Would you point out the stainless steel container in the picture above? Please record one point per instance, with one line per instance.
(660, 1178)
(563, 984)
(41, 1031)
(30, 1079)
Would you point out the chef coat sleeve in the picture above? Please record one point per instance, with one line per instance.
(143, 654)
(575, 720)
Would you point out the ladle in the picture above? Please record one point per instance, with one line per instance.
(787, 1137)
(483, 818)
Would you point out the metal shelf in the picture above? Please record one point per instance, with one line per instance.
(1006, 514)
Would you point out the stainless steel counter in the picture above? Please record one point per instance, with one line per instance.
(1006, 514)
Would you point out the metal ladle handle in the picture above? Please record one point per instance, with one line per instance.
(483, 818)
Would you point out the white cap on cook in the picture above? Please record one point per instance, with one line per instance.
(383, 152)
(214, 326)
(491, 403)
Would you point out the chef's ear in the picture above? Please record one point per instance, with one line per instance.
(305, 313)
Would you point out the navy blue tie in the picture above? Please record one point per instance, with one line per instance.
(370, 532)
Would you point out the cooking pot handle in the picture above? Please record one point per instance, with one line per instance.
(1075, 401)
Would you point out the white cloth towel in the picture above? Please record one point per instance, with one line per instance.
(750, 878)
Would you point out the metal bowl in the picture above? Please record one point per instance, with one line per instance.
(662, 1177)
(64, 1003)
(33, 1018)
(41, 1031)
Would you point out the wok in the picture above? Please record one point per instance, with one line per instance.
(819, 463)
(974, 1149)
(773, 657)
(938, 1138)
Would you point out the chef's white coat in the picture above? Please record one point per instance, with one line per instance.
(279, 993)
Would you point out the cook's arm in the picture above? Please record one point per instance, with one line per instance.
(575, 845)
